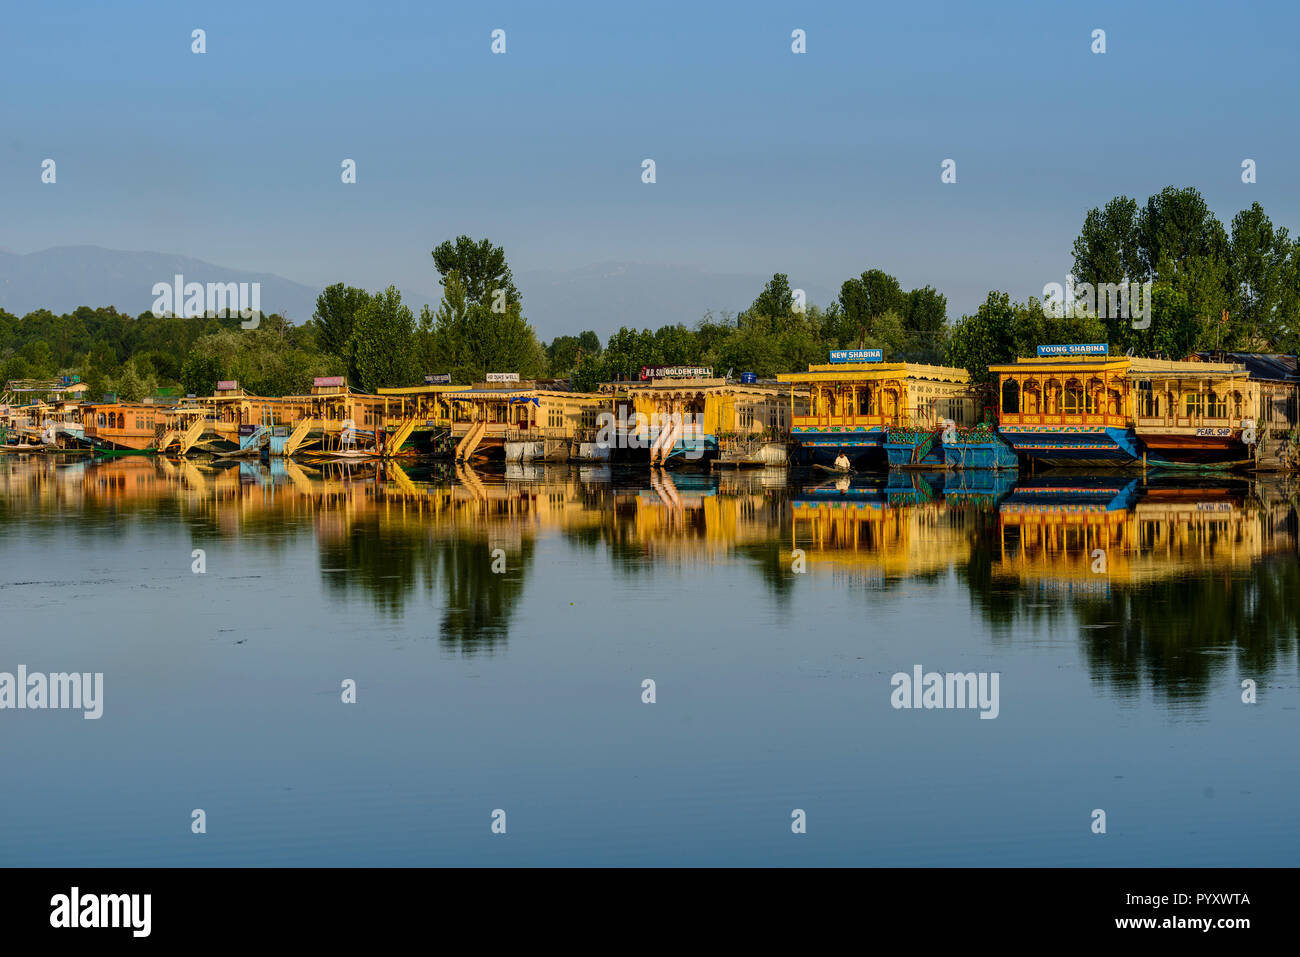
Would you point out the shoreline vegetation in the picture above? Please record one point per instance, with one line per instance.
(1233, 289)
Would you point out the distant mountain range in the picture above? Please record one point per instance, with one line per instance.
(65, 277)
(607, 295)
(602, 296)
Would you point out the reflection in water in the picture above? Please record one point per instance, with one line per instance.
(1163, 581)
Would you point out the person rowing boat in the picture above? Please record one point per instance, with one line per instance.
(842, 462)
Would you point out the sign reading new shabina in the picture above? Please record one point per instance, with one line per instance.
(856, 355)
(1073, 349)
(677, 372)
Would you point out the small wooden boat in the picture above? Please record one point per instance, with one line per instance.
(22, 448)
(353, 455)
(833, 470)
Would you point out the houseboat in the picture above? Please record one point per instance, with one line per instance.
(519, 422)
(428, 409)
(1271, 398)
(1193, 414)
(698, 418)
(1070, 409)
(1092, 409)
(898, 414)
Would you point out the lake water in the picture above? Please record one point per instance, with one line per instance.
(499, 627)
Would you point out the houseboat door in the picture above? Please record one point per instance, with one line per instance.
(889, 406)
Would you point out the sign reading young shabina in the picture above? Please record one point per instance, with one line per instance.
(1073, 349)
(856, 355)
(437, 378)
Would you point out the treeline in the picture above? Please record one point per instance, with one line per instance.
(136, 356)
(1212, 288)
(1235, 289)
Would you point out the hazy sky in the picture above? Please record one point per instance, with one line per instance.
(820, 165)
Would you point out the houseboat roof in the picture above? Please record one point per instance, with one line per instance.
(1046, 363)
(1186, 369)
(1133, 366)
(1261, 365)
(860, 371)
(469, 393)
(426, 389)
(701, 385)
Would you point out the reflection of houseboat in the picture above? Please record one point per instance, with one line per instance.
(1143, 533)
(878, 532)
(895, 414)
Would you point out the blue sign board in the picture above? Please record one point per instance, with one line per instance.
(856, 355)
(1075, 349)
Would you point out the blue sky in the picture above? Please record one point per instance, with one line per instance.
(819, 165)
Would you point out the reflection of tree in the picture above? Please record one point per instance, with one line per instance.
(388, 562)
(478, 603)
(1179, 633)
(1175, 634)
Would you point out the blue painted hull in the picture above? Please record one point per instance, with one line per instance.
(699, 449)
(900, 454)
(978, 483)
(994, 454)
(864, 447)
(1102, 447)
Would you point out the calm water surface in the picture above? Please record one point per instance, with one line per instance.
(1121, 614)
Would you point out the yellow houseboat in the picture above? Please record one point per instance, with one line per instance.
(702, 418)
(893, 413)
(520, 422)
(1102, 410)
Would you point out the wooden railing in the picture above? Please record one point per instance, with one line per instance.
(538, 434)
(1064, 418)
(837, 420)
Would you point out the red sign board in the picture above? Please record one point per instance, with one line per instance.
(227, 385)
(676, 372)
(323, 381)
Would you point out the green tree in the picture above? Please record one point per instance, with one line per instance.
(867, 298)
(200, 373)
(1107, 247)
(381, 347)
(776, 299)
(1182, 243)
(481, 266)
(985, 337)
(336, 312)
(1259, 261)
